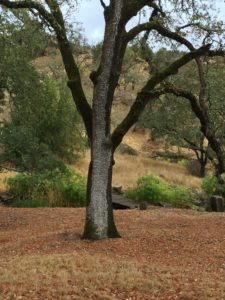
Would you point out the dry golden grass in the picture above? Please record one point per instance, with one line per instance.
(75, 276)
(3, 177)
(129, 168)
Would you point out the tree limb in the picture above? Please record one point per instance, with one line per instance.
(103, 4)
(55, 19)
(147, 94)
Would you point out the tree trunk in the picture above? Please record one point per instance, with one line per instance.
(202, 169)
(99, 215)
(203, 159)
(99, 212)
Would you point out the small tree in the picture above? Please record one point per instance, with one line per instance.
(205, 107)
(174, 120)
(99, 215)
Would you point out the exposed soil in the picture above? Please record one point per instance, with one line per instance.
(163, 254)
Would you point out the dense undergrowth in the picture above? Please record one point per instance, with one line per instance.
(67, 188)
(49, 188)
(155, 190)
(211, 186)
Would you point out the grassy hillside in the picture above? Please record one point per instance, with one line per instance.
(129, 168)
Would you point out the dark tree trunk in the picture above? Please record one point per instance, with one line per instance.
(203, 159)
(202, 169)
(99, 212)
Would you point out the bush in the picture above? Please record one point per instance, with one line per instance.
(24, 150)
(43, 120)
(183, 162)
(155, 190)
(31, 203)
(211, 186)
(126, 149)
(51, 188)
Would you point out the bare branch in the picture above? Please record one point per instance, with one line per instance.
(103, 4)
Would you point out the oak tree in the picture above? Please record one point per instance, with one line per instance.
(163, 20)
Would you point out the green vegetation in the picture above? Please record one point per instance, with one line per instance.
(126, 149)
(50, 188)
(155, 190)
(44, 125)
(173, 118)
(211, 186)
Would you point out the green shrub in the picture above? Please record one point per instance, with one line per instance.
(31, 203)
(155, 190)
(211, 186)
(51, 188)
(183, 162)
(126, 149)
(24, 150)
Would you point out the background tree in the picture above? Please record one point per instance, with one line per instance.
(205, 107)
(99, 214)
(44, 123)
(173, 119)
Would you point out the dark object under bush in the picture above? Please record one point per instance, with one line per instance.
(216, 203)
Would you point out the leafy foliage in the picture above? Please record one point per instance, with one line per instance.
(24, 150)
(172, 118)
(211, 186)
(155, 190)
(50, 188)
(44, 121)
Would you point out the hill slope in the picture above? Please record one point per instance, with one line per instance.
(129, 168)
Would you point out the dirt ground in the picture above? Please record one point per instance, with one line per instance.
(163, 254)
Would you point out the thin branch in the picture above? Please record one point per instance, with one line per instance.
(32, 5)
(103, 4)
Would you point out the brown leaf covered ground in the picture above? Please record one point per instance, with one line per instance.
(164, 254)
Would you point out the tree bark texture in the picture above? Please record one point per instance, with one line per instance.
(99, 216)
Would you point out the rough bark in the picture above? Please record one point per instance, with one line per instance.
(99, 217)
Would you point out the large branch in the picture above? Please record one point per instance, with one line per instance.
(133, 7)
(157, 26)
(32, 5)
(147, 93)
(205, 123)
(55, 19)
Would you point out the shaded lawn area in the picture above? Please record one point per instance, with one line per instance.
(164, 254)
